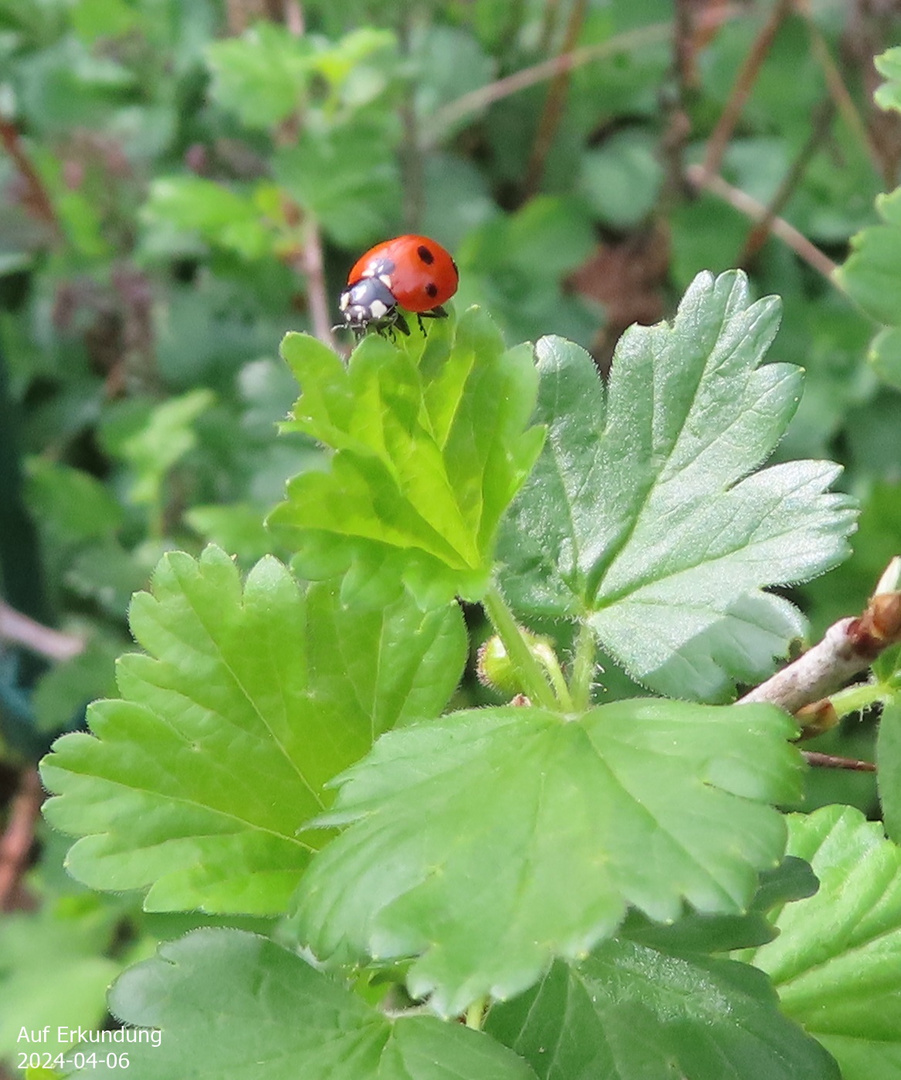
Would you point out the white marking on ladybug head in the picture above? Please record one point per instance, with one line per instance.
(344, 301)
(377, 309)
(385, 279)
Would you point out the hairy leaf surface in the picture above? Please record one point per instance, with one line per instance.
(643, 516)
(195, 781)
(490, 841)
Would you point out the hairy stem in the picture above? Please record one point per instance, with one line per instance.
(530, 670)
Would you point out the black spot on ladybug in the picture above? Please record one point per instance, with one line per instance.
(427, 257)
(432, 289)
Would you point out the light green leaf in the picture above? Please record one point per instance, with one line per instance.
(196, 780)
(490, 841)
(884, 354)
(220, 215)
(630, 1012)
(238, 1007)
(872, 272)
(836, 963)
(641, 517)
(261, 76)
(429, 452)
(346, 177)
(164, 439)
(888, 95)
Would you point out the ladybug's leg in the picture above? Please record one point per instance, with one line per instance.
(401, 323)
(435, 313)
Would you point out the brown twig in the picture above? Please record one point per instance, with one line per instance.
(848, 647)
(538, 73)
(830, 761)
(553, 105)
(741, 89)
(37, 197)
(19, 629)
(317, 290)
(839, 93)
(307, 259)
(822, 120)
(747, 204)
(17, 839)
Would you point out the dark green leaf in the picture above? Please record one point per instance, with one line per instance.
(629, 1012)
(235, 1006)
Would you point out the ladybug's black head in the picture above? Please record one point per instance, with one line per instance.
(369, 303)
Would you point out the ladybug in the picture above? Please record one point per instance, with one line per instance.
(410, 272)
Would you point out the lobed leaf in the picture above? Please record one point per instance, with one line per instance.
(490, 841)
(236, 1006)
(836, 960)
(629, 1011)
(195, 781)
(429, 451)
(641, 517)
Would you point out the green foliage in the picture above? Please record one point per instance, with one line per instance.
(240, 713)
(181, 191)
(834, 963)
(430, 449)
(203, 992)
(567, 818)
(641, 518)
(624, 1012)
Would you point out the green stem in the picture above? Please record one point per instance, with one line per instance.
(584, 663)
(475, 1014)
(530, 670)
(548, 660)
(855, 698)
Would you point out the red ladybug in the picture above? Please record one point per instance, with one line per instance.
(410, 272)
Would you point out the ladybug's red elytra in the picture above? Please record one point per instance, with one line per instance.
(410, 272)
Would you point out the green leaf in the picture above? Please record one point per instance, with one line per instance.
(221, 216)
(65, 689)
(55, 968)
(836, 961)
(885, 354)
(888, 95)
(641, 517)
(487, 842)
(888, 766)
(262, 76)
(163, 440)
(621, 179)
(196, 780)
(238, 1007)
(628, 1012)
(71, 503)
(428, 457)
(872, 272)
(792, 879)
(346, 177)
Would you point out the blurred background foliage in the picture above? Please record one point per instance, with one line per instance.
(183, 182)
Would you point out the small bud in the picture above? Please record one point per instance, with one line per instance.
(494, 669)
(815, 718)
